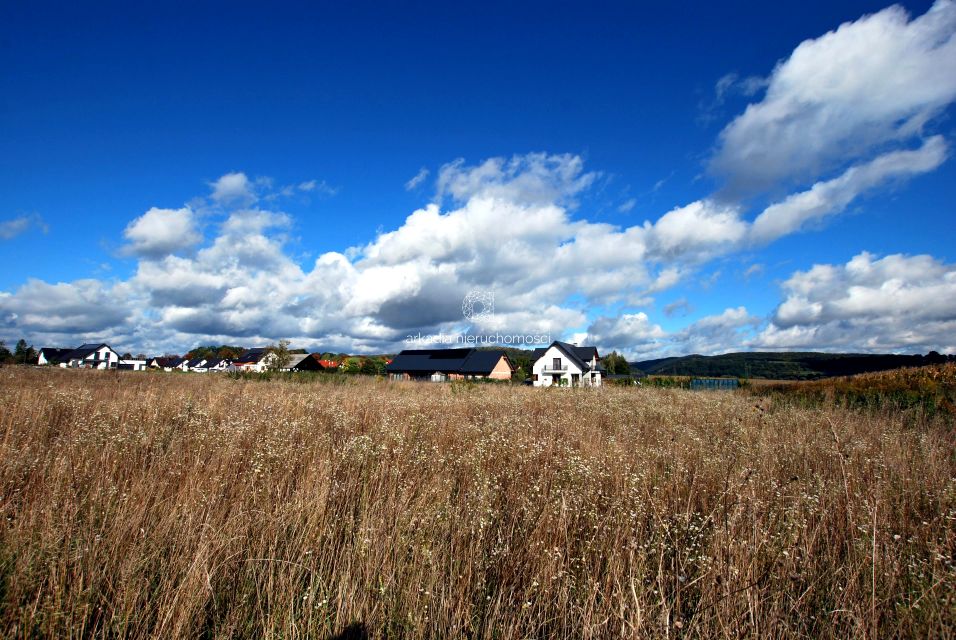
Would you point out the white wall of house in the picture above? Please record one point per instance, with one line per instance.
(556, 368)
(133, 365)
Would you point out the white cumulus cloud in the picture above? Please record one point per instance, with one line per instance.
(160, 232)
(234, 189)
(894, 303)
(877, 80)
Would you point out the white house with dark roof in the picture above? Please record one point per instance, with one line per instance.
(566, 365)
(197, 364)
(51, 355)
(132, 364)
(91, 356)
(253, 360)
(217, 364)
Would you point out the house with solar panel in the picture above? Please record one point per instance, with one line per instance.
(566, 365)
(253, 360)
(439, 365)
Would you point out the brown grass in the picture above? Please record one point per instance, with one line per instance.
(166, 506)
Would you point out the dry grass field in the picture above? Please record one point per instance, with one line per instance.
(198, 506)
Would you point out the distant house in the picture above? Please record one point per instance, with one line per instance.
(91, 356)
(303, 362)
(254, 360)
(51, 355)
(217, 364)
(132, 364)
(330, 364)
(167, 363)
(450, 364)
(197, 364)
(564, 364)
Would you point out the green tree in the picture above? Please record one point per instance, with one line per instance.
(523, 367)
(352, 365)
(369, 367)
(281, 356)
(615, 364)
(5, 355)
(23, 354)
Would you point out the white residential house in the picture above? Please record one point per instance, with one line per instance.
(167, 363)
(253, 360)
(132, 365)
(566, 365)
(198, 365)
(51, 355)
(91, 356)
(218, 364)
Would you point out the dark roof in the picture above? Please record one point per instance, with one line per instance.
(253, 355)
(212, 364)
(461, 361)
(581, 355)
(81, 352)
(167, 361)
(483, 362)
(295, 359)
(195, 362)
(55, 354)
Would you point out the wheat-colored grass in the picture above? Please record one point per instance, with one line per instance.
(168, 506)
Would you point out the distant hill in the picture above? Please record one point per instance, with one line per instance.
(784, 366)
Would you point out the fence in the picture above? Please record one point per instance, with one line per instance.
(714, 384)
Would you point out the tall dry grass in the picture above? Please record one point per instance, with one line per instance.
(166, 506)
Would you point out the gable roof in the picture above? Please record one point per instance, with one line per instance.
(461, 361)
(197, 362)
(167, 361)
(84, 351)
(54, 354)
(580, 356)
(295, 359)
(253, 355)
(484, 362)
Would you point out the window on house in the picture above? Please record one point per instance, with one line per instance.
(556, 363)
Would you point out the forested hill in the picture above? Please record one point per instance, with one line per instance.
(784, 366)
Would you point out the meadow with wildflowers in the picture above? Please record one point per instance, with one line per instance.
(146, 505)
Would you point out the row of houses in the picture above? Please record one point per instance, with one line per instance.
(102, 356)
(559, 364)
(250, 361)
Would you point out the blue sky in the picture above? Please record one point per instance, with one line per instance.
(653, 179)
